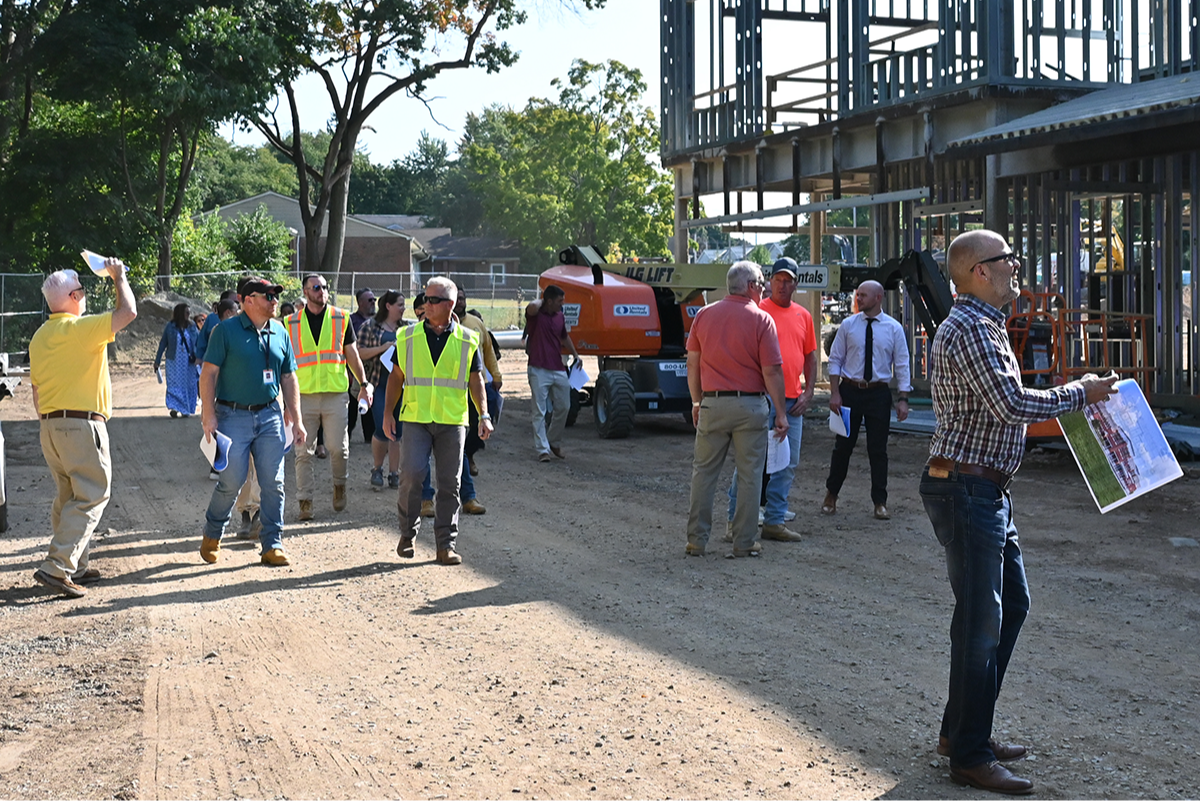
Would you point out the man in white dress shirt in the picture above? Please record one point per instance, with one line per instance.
(870, 349)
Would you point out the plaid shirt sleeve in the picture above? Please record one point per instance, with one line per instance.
(989, 366)
(371, 336)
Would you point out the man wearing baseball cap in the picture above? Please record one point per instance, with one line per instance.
(247, 367)
(798, 346)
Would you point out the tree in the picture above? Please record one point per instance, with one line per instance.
(581, 169)
(225, 173)
(366, 52)
(170, 71)
(411, 185)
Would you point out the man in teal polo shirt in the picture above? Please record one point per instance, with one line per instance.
(247, 366)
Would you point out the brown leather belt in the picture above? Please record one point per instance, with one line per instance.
(941, 464)
(99, 418)
(864, 384)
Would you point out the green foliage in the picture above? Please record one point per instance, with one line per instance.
(225, 173)
(760, 255)
(412, 185)
(258, 242)
(201, 247)
(581, 169)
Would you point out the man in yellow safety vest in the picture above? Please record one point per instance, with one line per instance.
(437, 363)
(324, 344)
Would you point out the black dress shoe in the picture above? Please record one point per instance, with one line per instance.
(1004, 752)
(991, 776)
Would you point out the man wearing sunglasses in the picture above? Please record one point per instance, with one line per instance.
(72, 392)
(438, 371)
(248, 366)
(982, 409)
(325, 344)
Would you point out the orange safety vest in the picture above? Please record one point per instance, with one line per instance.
(320, 366)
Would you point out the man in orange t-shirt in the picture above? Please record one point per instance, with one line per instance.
(798, 346)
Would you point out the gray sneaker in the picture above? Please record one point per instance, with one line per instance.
(377, 479)
(394, 481)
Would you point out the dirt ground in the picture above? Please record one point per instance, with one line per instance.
(577, 653)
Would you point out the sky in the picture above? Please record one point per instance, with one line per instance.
(553, 36)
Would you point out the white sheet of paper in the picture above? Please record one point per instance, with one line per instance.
(778, 453)
(216, 450)
(95, 262)
(386, 357)
(288, 438)
(577, 376)
(840, 423)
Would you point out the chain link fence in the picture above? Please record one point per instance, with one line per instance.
(22, 308)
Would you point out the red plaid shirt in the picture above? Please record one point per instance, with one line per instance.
(981, 405)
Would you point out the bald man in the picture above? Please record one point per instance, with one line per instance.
(869, 350)
(982, 409)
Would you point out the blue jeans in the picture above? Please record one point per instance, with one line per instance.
(251, 433)
(779, 483)
(972, 518)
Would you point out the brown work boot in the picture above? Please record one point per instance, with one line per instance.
(427, 509)
(474, 507)
(405, 549)
(339, 497)
(779, 532)
(754, 550)
(209, 549)
(471, 466)
(829, 505)
(275, 558)
(305, 510)
(881, 512)
(448, 556)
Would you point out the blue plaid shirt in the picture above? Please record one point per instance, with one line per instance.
(981, 405)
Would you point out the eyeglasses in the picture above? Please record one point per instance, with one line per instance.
(77, 289)
(1013, 259)
(270, 297)
(434, 300)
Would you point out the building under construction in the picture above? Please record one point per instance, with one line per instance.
(1069, 126)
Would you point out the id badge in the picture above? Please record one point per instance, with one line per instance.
(268, 377)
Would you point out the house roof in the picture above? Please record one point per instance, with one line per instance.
(1149, 103)
(396, 222)
(287, 211)
(472, 248)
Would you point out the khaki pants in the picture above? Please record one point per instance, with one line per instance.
(77, 454)
(250, 497)
(330, 409)
(742, 423)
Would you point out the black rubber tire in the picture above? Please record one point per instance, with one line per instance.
(830, 333)
(573, 413)
(614, 405)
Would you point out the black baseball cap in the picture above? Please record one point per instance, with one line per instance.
(786, 265)
(252, 283)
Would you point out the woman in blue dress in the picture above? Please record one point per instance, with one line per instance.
(179, 344)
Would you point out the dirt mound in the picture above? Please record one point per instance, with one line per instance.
(139, 341)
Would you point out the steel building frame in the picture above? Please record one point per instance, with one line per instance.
(914, 110)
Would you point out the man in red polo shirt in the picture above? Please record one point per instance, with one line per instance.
(733, 361)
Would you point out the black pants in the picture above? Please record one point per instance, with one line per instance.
(874, 407)
(367, 420)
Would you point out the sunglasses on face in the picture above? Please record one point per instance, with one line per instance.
(270, 297)
(1011, 258)
(434, 300)
(319, 287)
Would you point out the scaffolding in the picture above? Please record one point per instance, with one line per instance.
(1066, 125)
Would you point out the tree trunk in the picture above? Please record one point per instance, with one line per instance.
(163, 282)
(331, 264)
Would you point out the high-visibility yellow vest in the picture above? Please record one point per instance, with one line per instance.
(320, 366)
(435, 393)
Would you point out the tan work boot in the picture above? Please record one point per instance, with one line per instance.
(474, 507)
(305, 510)
(209, 549)
(779, 532)
(427, 509)
(448, 557)
(275, 558)
(339, 497)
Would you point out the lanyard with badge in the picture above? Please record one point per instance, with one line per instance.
(265, 347)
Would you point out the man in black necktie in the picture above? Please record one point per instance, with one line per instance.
(869, 350)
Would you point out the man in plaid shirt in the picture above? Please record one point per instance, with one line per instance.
(982, 409)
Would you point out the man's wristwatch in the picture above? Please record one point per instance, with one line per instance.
(485, 417)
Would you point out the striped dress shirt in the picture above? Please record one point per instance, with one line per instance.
(981, 405)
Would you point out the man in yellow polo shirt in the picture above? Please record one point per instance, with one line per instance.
(324, 344)
(68, 368)
(436, 364)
